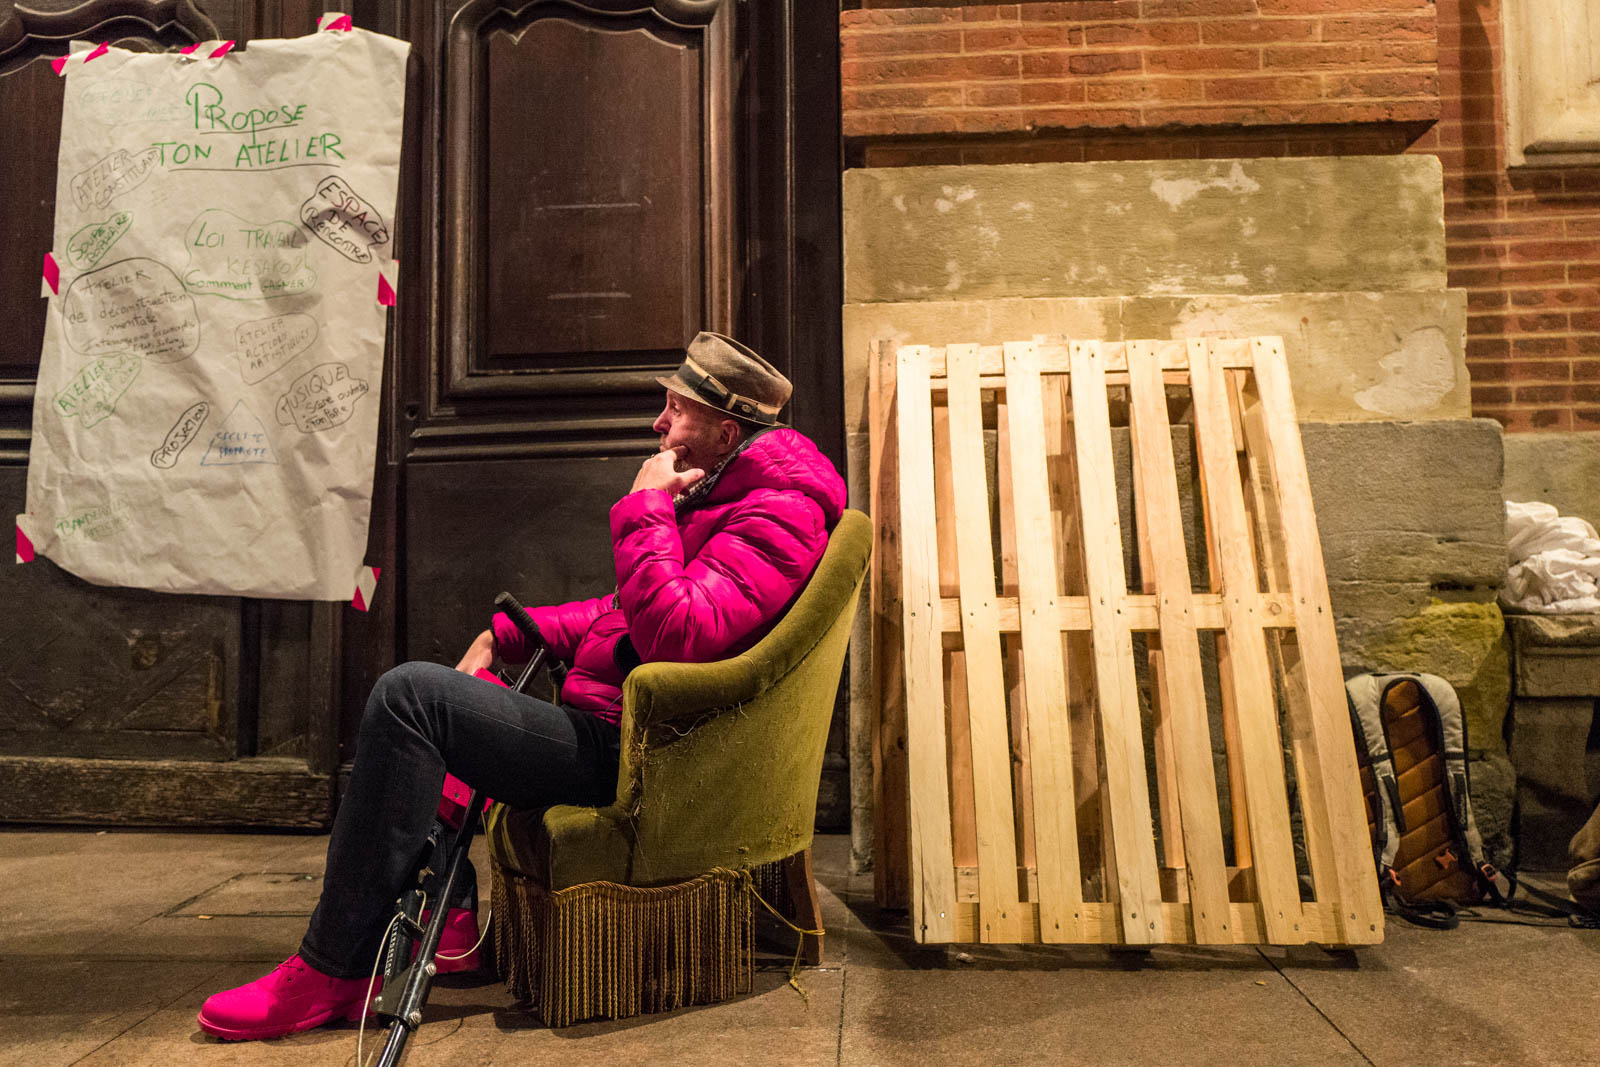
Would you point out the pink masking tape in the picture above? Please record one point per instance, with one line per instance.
(366, 586)
(222, 50)
(338, 22)
(98, 52)
(24, 546)
(385, 291)
(190, 48)
(59, 64)
(52, 274)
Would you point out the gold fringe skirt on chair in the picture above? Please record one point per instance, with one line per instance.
(609, 951)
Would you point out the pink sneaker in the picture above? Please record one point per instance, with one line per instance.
(458, 944)
(294, 997)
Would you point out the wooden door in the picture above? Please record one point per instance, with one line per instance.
(612, 177)
(117, 705)
(584, 185)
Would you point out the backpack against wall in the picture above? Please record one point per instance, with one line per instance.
(1411, 745)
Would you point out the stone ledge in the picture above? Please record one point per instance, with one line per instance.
(1151, 228)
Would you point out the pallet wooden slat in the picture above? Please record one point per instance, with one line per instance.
(1043, 670)
(991, 748)
(1030, 804)
(1265, 793)
(1138, 886)
(1362, 912)
(1182, 684)
(933, 895)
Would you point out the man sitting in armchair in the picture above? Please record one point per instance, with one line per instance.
(720, 532)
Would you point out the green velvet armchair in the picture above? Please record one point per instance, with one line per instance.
(646, 905)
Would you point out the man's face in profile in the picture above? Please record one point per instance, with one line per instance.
(692, 426)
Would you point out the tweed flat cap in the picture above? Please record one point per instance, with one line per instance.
(729, 376)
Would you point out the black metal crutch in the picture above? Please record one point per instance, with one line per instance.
(408, 976)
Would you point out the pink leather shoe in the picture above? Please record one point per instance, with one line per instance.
(294, 997)
(458, 944)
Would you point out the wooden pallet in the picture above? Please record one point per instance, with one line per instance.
(1025, 693)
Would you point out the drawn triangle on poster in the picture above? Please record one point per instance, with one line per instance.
(240, 439)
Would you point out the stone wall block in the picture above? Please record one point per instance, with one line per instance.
(1554, 790)
(1144, 227)
(1562, 469)
(1557, 655)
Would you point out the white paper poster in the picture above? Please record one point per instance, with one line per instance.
(207, 407)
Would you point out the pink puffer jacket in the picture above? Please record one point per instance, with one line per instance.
(698, 586)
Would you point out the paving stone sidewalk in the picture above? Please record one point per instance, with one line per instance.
(110, 941)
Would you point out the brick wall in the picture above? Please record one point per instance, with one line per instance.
(948, 82)
(1525, 245)
(987, 68)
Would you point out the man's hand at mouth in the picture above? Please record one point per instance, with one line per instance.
(660, 472)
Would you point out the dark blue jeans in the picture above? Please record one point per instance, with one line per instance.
(422, 720)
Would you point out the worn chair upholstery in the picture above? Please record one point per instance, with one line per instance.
(645, 905)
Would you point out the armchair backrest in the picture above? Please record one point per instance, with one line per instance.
(723, 759)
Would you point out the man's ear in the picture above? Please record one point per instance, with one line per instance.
(730, 433)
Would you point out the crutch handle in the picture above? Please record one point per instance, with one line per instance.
(519, 615)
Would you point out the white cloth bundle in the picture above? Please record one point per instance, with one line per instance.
(1554, 561)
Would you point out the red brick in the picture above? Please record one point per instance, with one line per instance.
(1380, 27)
(1542, 347)
(1078, 117)
(1584, 418)
(998, 121)
(992, 39)
(1262, 88)
(992, 95)
(1490, 394)
(1051, 35)
(1487, 348)
(1488, 370)
(1586, 394)
(926, 69)
(1188, 59)
(1080, 10)
(1585, 320)
(1540, 370)
(1105, 63)
(1542, 322)
(1053, 92)
(1044, 64)
(1142, 33)
(989, 13)
(855, 45)
(1553, 251)
(1383, 85)
(899, 16)
(1586, 370)
(1179, 9)
(1338, 7)
(1171, 90)
(1258, 31)
(1543, 394)
(909, 98)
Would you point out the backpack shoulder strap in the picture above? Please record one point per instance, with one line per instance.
(1364, 693)
(1440, 698)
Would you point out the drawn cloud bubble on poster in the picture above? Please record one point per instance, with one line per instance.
(91, 243)
(265, 346)
(132, 305)
(242, 260)
(93, 392)
(344, 221)
(240, 439)
(118, 102)
(323, 397)
(183, 432)
(112, 175)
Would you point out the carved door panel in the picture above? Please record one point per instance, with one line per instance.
(118, 705)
